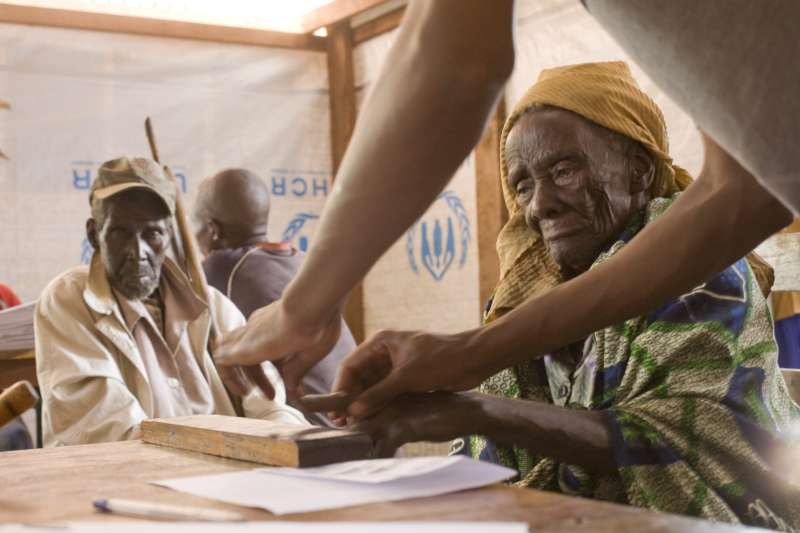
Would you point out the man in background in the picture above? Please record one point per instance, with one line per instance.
(232, 212)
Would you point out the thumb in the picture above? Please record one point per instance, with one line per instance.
(378, 395)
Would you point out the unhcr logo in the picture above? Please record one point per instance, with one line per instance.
(298, 232)
(441, 236)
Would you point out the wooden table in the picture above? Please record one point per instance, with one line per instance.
(59, 484)
(17, 366)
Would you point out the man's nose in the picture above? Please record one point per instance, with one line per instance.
(137, 249)
(545, 203)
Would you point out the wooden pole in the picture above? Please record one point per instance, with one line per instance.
(342, 94)
(186, 247)
(491, 208)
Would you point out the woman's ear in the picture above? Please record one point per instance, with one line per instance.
(644, 171)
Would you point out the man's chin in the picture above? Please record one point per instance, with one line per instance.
(137, 291)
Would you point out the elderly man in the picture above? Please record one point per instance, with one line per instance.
(232, 213)
(682, 410)
(126, 339)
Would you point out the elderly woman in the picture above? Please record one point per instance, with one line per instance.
(683, 410)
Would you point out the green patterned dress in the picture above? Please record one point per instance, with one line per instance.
(701, 418)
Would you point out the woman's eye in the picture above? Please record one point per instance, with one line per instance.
(524, 187)
(562, 174)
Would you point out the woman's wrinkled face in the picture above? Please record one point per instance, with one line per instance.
(575, 182)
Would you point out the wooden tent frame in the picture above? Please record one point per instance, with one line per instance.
(343, 34)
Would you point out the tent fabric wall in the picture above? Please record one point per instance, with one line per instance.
(429, 278)
(79, 98)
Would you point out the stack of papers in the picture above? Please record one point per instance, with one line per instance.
(297, 490)
(275, 527)
(16, 328)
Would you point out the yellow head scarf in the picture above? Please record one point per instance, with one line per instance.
(606, 94)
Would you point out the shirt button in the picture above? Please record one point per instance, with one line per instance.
(173, 382)
(563, 390)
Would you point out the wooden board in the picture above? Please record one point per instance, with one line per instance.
(258, 441)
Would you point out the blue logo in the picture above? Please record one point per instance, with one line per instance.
(297, 231)
(435, 239)
(86, 252)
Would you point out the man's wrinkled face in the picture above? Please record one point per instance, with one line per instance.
(133, 241)
(574, 183)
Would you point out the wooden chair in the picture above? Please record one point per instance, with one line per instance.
(792, 378)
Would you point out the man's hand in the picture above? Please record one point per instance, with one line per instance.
(435, 416)
(395, 362)
(272, 335)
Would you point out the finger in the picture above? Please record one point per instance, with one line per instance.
(234, 380)
(257, 375)
(319, 403)
(337, 419)
(366, 365)
(293, 369)
(377, 396)
(382, 444)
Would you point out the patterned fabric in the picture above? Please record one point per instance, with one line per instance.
(787, 333)
(700, 415)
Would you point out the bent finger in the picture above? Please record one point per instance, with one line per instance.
(378, 395)
(257, 375)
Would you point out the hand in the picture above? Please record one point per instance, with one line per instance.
(395, 362)
(272, 335)
(433, 416)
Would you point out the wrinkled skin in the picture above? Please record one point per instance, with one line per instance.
(578, 185)
(575, 184)
(133, 241)
(434, 416)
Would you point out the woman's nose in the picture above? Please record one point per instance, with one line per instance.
(545, 203)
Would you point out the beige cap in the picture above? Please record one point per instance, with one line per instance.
(125, 173)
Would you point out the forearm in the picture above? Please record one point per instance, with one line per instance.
(715, 222)
(423, 116)
(574, 437)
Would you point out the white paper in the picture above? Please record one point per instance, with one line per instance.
(372, 470)
(16, 327)
(275, 527)
(272, 489)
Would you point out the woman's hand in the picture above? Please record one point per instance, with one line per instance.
(392, 363)
(434, 416)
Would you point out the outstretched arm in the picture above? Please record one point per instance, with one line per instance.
(422, 118)
(571, 436)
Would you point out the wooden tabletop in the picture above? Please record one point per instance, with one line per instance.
(58, 484)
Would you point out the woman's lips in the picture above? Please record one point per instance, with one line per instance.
(555, 235)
